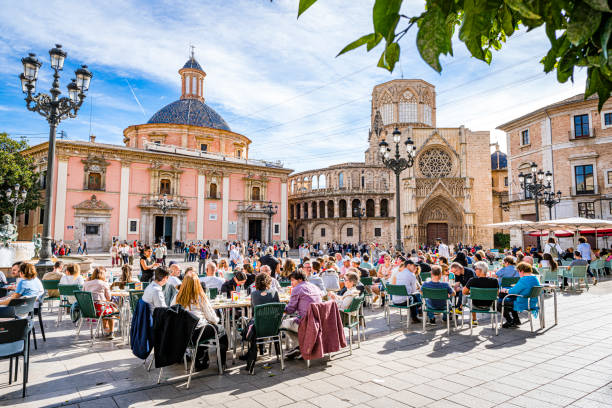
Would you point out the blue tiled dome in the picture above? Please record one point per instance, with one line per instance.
(189, 112)
(192, 63)
(499, 160)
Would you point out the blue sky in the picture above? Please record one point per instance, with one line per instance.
(272, 77)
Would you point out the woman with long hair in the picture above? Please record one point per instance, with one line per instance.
(193, 298)
(223, 268)
(101, 295)
(549, 262)
(288, 268)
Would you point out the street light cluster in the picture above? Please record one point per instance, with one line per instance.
(16, 197)
(54, 109)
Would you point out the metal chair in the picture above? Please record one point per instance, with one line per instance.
(268, 318)
(483, 294)
(437, 294)
(48, 285)
(367, 283)
(14, 342)
(351, 320)
(213, 293)
(193, 346)
(88, 312)
(508, 282)
(399, 290)
(577, 272)
(23, 307)
(535, 293)
(65, 291)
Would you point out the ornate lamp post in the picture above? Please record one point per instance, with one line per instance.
(270, 210)
(550, 200)
(397, 164)
(54, 109)
(164, 204)
(536, 184)
(359, 213)
(16, 198)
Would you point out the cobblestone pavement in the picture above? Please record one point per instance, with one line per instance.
(565, 365)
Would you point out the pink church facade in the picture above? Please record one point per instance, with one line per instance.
(186, 152)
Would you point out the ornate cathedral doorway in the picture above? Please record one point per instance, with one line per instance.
(255, 230)
(437, 230)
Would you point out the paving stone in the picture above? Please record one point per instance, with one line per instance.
(411, 398)
(329, 400)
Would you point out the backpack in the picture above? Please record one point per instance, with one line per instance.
(553, 251)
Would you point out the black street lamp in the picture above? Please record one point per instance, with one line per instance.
(270, 210)
(359, 213)
(54, 109)
(536, 184)
(397, 164)
(164, 204)
(550, 200)
(16, 198)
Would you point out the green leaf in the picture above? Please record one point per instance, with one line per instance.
(305, 5)
(601, 5)
(605, 37)
(583, 23)
(550, 60)
(524, 7)
(385, 16)
(433, 37)
(374, 42)
(389, 57)
(507, 23)
(358, 43)
(592, 83)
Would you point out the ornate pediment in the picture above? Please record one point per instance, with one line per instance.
(96, 164)
(93, 204)
(436, 138)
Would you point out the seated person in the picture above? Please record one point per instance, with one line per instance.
(101, 295)
(263, 292)
(514, 304)
(509, 269)
(463, 275)
(232, 285)
(350, 291)
(577, 261)
(126, 277)
(330, 277)
(211, 280)
(28, 286)
(55, 274)
(194, 299)
(72, 276)
(268, 271)
(434, 283)
(480, 281)
(405, 276)
(154, 294)
(363, 273)
(247, 269)
(303, 294)
(313, 279)
(175, 275)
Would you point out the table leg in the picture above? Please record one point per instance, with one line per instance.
(555, 304)
(542, 311)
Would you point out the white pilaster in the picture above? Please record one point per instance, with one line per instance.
(124, 196)
(60, 200)
(200, 207)
(283, 227)
(225, 215)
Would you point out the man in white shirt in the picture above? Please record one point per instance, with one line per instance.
(153, 294)
(234, 256)
(175, 272)
(405, 276)
(210, 280)
(443, 249)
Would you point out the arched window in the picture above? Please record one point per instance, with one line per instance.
(293, 186)
(94, 181)
(291, 211)
(305, 211)
(384, 207)
(408, 112)
(330, 209)
(342, 208)
(315, 183)
(305, 184)
(239, 153)
(322, 181)
(355, 207)
(370, 208)
(387, 113)
(255, 194)
(322, 209)
(212, 190)
(427, 114)
(164, 186)
(314, 210)
(298, 209)
(340, 180)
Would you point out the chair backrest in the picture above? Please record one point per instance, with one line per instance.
(284, 283)
(24, 307)
(566, 263)
(355, 304)
(13, 330)
(484, 293)
(366, 281)
(67, 290)
(135, 296)
(50, 284)
(86, 304)
(535, 292)
(436, 294)
(578, 271)
(508, 282)
(268, 319)
(535, 271)
(397, 290)
(212, 293)
(229, 276)
(130, 285)
(425, 276)
(169, 293)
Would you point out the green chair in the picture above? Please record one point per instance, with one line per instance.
(484, 294)
(566, 263)
(284, 283)
(88, 312)
(508, 282)
(208, 342)
(268, 318)
(351, 320)
(548, 275)
(48, 285)
(367, 283)
(535, 293)
(425, 276)
(536, 271)
(598, 268)
(399, 290)
(212, 293)
(437, 294)
(145, 284)
(575, 273)
(135, 296)
(130, 286)
(66, 294)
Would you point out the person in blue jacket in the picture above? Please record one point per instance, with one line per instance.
(515, 304)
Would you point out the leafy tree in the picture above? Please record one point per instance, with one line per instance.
(17, 169)
(578, 32)
(501, 241)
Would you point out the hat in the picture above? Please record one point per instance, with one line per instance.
(356, 260)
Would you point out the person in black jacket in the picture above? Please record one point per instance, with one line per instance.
(230, 286)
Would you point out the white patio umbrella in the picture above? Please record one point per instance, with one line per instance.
(575, 223)
(517, 224)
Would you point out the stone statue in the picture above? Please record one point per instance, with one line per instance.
(8, 231)
(37, 240)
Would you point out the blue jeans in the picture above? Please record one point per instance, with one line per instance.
(431, 305)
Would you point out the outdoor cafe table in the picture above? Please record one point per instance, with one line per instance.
(124, 311)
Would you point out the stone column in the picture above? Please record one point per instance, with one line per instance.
(201, 191)
(124, 200)
(225, 213)
(283, 209)
(60, 197)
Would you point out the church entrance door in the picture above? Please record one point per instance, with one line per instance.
(159, 230)
(437, 230)
(255, 230)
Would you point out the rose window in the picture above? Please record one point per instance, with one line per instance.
(435, 163)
